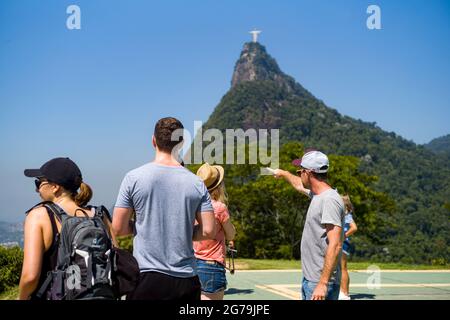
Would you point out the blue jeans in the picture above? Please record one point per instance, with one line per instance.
(211, 275)
(309, 286)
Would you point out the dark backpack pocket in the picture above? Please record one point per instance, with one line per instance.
(126, 272)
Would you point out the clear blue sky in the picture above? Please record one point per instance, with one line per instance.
(94, 94)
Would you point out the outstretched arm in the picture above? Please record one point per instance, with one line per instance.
(295, 181)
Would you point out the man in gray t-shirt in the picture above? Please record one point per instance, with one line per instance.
(325, 209)
(321, 246)
(167, 199)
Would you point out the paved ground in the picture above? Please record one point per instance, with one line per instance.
(392, 285)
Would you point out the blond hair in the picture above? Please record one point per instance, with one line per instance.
(83, 197)
(219, 193)
(348, 204)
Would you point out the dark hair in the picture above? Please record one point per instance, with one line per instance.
(320, 176)
(83, 197)
(163, 133)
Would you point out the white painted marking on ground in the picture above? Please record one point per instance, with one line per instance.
(285, 291)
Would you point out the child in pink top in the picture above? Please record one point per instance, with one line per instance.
(210, 254)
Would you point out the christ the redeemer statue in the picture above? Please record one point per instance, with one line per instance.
(255, 34)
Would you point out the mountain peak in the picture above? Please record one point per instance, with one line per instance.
(255, 64)
(440, 145)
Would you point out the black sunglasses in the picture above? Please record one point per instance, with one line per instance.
(38, 182)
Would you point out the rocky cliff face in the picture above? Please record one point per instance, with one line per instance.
(255, 64)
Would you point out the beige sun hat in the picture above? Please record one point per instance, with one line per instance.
(212, 176)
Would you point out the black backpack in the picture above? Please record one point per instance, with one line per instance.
(85, 260)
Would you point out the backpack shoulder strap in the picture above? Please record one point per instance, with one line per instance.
(102, 212)
(51, 207)
(40, 204)
(57, 211)
(51, 215)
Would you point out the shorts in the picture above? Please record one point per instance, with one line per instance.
(211, 275)
(309, 286)
(346, 248)
(160, 286)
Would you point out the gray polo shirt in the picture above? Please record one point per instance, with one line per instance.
(325, 208)
(166, 200)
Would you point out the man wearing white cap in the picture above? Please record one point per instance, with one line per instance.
(322, 237)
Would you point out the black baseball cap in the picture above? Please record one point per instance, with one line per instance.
(62, 171)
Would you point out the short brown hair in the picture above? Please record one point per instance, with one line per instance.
(320, 176)
(163, 133)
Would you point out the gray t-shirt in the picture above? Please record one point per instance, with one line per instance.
(166, 200)
(325, 208)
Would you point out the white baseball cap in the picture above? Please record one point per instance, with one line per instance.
(314, 160)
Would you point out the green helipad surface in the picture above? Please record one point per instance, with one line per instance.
(386, 285)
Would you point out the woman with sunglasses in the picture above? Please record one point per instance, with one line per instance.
(59, 181)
